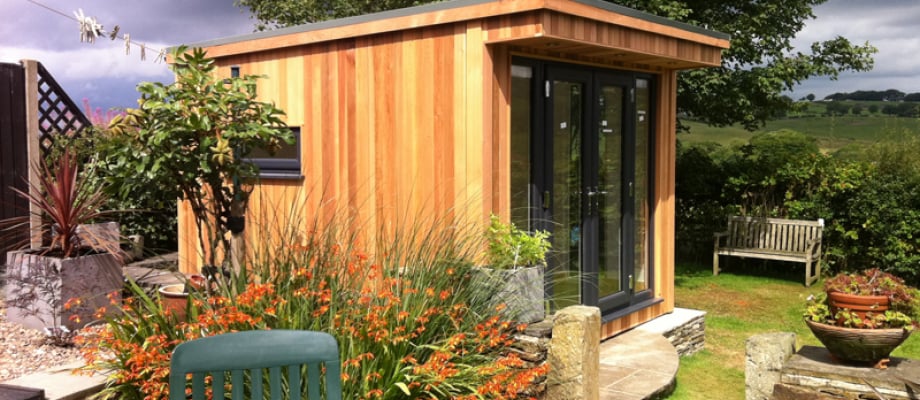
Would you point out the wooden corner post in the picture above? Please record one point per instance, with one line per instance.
(30, 69)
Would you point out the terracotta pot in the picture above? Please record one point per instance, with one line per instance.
(860, 345)
(857, 303)
(174, 298)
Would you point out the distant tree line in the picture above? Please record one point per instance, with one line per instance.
(873, 95)
(907, 109)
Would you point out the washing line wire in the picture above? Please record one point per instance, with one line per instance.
(90, 29)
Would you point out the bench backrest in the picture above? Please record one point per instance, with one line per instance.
(786, 235)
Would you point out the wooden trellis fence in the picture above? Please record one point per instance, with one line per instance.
(34, 110)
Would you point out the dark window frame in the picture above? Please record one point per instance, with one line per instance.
(282, 167)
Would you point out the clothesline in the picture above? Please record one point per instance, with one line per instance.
(90, 30)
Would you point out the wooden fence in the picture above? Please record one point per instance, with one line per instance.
(34, 110)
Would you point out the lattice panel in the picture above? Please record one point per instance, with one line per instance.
(57, 113)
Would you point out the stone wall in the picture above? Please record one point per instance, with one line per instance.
(690, 337)
(774, 371)
(532, 346)
(765, 356)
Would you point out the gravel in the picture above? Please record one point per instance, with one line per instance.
(23, 351)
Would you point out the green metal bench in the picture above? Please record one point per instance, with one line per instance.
(249, 357)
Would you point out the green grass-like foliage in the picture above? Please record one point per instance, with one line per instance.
(408, 323)
(510, 247)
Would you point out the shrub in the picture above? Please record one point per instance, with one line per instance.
(510, 247)
(868, 197)
(408, 323)
(144, 205)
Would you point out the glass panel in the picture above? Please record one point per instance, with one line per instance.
(521, 83)
(642, 181)
(566, 201)
(609, 181)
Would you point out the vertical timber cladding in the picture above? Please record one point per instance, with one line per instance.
(410, 111)
(393, 125)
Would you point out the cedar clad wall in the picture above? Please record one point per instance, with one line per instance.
(390, 122)
(412, 113)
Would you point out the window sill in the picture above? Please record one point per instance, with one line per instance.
(630, 309)
(287, 176)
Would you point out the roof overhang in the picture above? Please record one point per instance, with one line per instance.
(666, 43)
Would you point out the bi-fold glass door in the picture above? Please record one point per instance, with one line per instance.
(577, 172)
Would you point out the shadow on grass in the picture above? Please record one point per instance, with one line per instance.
(766, 269)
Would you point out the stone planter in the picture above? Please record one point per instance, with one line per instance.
(520, 289)
(38, 286)
(860, 345)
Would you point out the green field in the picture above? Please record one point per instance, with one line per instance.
(832, 133)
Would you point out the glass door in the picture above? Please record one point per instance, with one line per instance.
(580, 141)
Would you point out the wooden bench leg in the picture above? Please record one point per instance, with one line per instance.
(809, 274)
(715, 263)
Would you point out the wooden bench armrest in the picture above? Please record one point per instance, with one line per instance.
(813, 243)
(719, 234)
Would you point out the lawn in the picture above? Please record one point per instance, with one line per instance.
(750, 298)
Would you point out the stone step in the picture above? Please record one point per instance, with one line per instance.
(61, 384)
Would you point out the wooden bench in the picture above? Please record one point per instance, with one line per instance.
(772, 239)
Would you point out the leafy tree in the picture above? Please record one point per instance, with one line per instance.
(747, 89)
(837, 108)
(856, 109)
(890, 109)
(197, 133)
(810, 97)
(912, 97)
(873, 108)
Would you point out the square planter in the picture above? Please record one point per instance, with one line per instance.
(520, 289)
(38, 286)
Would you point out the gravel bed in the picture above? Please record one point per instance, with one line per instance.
(23, 351)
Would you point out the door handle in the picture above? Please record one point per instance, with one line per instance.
(592, 194)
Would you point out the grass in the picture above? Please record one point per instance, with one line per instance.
(750, 298)
(832, 133)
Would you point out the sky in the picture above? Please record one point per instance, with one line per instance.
(103, 74)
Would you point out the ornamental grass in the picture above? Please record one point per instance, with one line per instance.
(408, 322)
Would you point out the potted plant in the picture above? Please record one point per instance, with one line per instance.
(68, 270)
(174, 297)
(864, 316)
(516, 265)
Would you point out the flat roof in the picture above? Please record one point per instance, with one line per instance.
(504, 7)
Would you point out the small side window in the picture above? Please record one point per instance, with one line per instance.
(284, 164)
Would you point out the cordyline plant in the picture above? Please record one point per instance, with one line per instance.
(64, 200)
(199, 130)
(408, 323)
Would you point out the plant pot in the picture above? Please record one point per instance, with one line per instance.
(859, 345)
(858, 304)
(173, 299)
(38, 286)
(519, 289)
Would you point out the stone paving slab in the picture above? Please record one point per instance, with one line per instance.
(638, 365)
(813, 367)
(61, 384)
